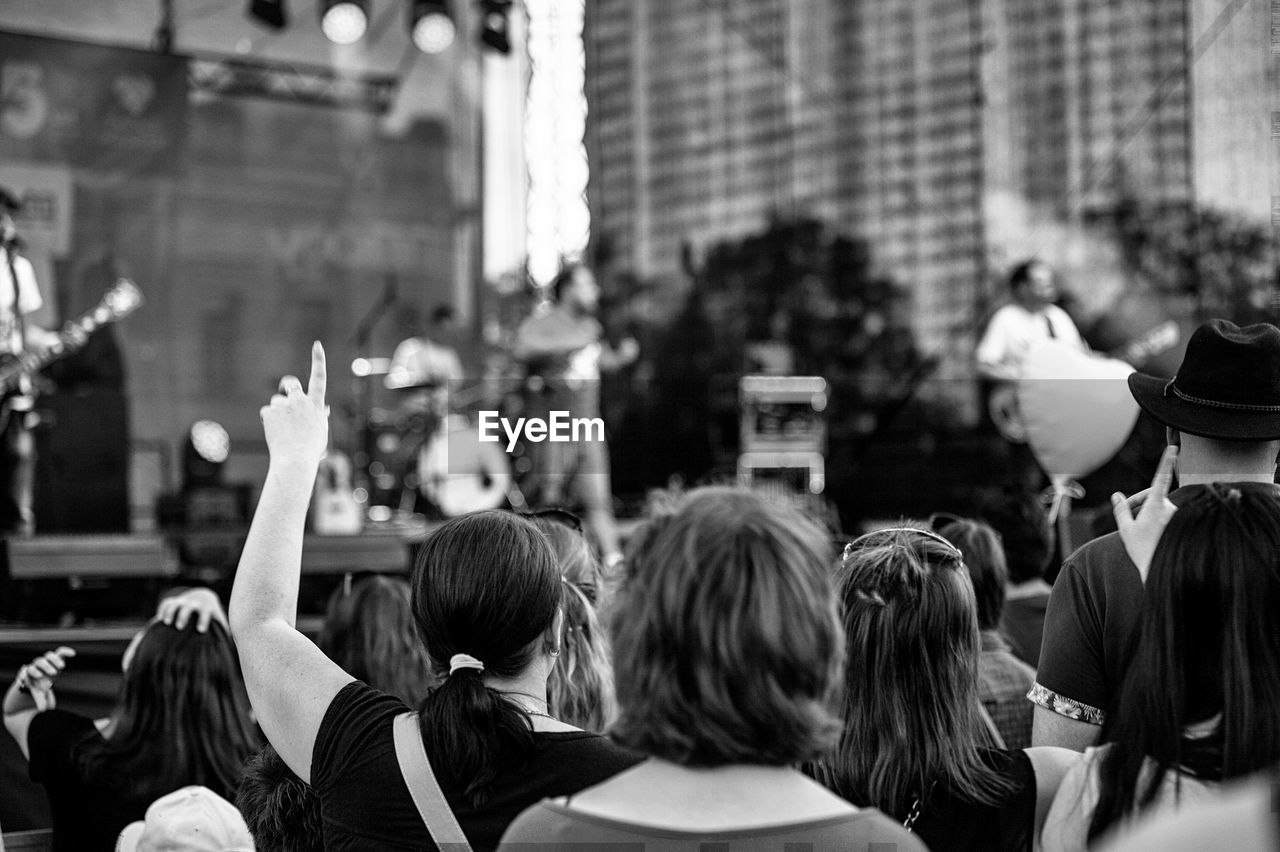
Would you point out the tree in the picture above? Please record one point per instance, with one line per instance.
(1224, 264)
(796, 284)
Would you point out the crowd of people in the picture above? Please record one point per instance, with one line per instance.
(735, 680)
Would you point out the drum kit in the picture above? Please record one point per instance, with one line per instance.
(424, 457)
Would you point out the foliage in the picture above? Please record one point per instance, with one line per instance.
(795, 284)
(1224, 264)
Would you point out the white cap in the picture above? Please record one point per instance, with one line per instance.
(193, 819)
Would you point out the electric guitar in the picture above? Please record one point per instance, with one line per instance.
(16, 370)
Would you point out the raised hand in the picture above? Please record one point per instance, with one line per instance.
(37, 676)
(296, 421)
(178, 609)
(1141, 534)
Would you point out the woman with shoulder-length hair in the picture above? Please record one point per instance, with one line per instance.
(1200, 699)
(727, 654)
(181, 718)
(486, 596)
(368, 631)
(916, 743)
(580, 690)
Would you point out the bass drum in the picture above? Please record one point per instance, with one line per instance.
(459, 473)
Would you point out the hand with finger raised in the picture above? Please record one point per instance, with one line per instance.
(296, 421)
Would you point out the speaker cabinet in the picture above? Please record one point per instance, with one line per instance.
(82, 462)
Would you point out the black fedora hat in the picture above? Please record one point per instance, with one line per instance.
(1228, 386)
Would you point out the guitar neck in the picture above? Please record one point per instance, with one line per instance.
(120, 301)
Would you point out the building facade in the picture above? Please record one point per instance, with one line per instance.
(955, 136)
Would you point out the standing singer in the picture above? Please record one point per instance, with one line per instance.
(19, 296)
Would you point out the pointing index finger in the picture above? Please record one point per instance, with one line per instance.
(319, 373)
(1163, 479)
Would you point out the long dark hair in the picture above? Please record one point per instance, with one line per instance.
(182, 718)
(369, 632)
(912, 715)
(487, 585)
(1208, 646)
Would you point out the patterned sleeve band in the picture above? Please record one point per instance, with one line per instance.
(1063, 706)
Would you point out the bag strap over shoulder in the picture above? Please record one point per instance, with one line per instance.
(432, 806)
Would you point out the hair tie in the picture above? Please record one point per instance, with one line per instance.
(464, 661)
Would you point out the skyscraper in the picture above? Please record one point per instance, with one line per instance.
(705, 118)
(955, 136)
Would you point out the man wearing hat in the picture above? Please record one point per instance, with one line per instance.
(19, 296)
(1223, 412)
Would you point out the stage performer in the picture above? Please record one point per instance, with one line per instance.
(19, 296)
(563, 354)
(1031, 317)
(426, 366)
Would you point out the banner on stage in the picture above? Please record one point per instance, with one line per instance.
(91, 106)
(46, 195)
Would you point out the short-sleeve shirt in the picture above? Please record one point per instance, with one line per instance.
(550, 826)
(86, 817)
(418, 361)
(1089, 629)
(366, 805)
(1014, 330)
(28, 298)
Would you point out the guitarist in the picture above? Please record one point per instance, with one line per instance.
(1031, 317)
(19, 295)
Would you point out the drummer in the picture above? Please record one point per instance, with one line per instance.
(426, 367)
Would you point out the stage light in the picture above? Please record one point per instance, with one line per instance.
(495, 24)
(271, 13)
(206, 451)
(344, 21)
(431, 25)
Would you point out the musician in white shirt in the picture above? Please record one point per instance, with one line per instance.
(17, 446)
(1030, 318)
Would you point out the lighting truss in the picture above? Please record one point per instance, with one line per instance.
(238, 76)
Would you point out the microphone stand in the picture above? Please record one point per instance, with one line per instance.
(364, 392)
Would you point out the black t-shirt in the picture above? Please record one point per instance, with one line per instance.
(366, 805)
(86, 817)
(950, 824)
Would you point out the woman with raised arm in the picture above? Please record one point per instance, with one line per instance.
(1200, 700)
(727, 650)
(916, 743)
(181, 718)
(486, 604)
